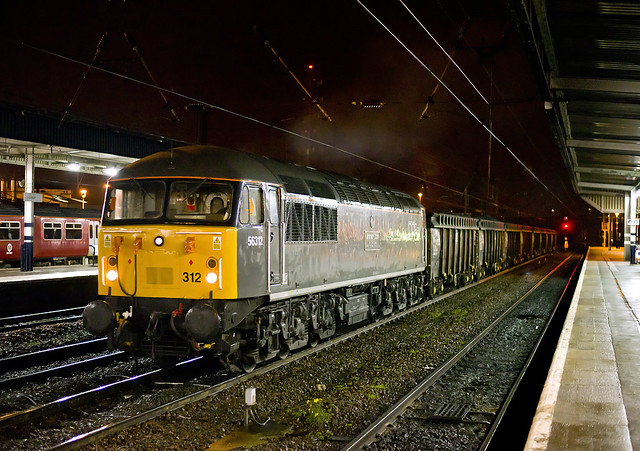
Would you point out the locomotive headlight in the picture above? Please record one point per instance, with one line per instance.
(158, 241)
(112, 275)
(212, 278)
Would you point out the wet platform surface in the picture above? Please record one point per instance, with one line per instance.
(12, 275)
(591, 399)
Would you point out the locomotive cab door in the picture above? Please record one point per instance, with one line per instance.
(253, 243)
(275, 236)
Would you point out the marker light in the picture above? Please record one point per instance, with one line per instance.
(112, 275)
(137, 245)
(212, 278)
(116, 243)
(190, 245)
(158, 241)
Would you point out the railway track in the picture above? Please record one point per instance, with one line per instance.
(24, 361)
(411, 407)
(119, 423)
(10, 323)
(89, 396)
(62, 370)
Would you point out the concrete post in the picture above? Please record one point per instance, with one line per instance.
(26, 250)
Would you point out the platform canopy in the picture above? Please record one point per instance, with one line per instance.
(586, 58)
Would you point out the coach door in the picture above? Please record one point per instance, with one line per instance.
(275, 235)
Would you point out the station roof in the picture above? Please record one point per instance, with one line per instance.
(12, 151)
(586, 56)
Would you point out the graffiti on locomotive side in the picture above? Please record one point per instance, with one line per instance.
(412, 233)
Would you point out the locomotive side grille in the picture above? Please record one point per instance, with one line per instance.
(325, 224)
(364, 194)
(383, 198)
(159, 276)
(300, 222)
(306, 222)
(320, 189)
(294, 185)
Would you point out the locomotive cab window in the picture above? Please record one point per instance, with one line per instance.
(52, 230)
(251, 207)
(200, 201)
(10, 230)
(274, 206)
(73, 231)
(135, 199)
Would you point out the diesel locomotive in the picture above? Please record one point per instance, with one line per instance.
(207, 249)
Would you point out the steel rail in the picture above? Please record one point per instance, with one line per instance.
(49, 355)
(389, 417)
(102, 391)
(38, 319)
(61, 370)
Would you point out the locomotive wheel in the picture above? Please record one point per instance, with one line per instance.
(248, 363)
(313, 339)
(283, 353)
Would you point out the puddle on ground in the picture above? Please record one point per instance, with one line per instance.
(249, 436)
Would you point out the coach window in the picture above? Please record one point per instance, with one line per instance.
(9, 230)
(73, 231)
(52, 230)
(251, 208)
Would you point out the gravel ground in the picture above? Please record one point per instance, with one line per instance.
(324, 400)
(482, 379)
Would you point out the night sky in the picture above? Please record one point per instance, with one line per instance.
(213, 53)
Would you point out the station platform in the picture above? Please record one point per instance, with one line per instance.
(13, 275)
(591, 399)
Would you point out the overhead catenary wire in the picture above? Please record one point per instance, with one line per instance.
(265, 124)
(497, 88)
(473, 115)
(451, 60)
(267, 44)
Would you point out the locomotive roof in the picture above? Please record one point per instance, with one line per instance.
(222, 163)
(200, 161)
